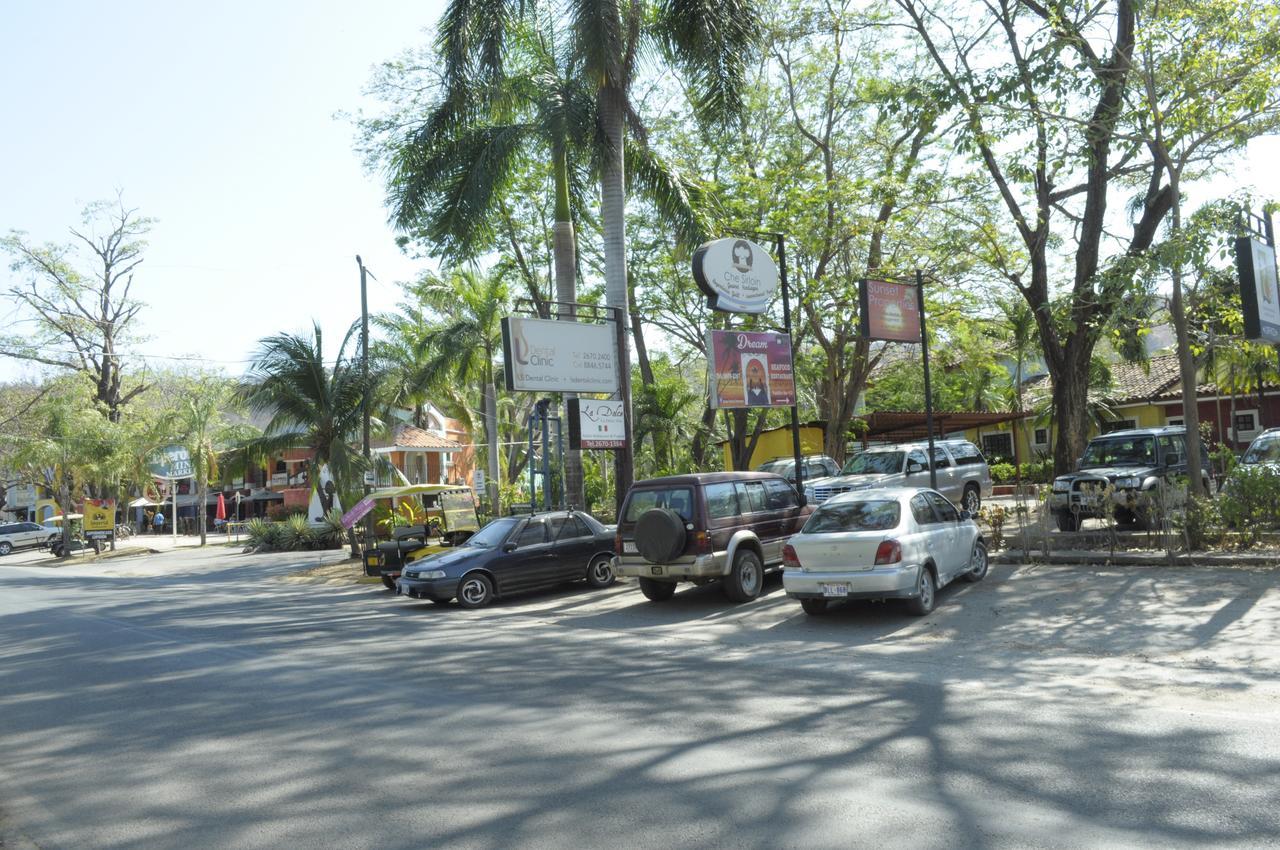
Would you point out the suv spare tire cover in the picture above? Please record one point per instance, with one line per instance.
(660, 535)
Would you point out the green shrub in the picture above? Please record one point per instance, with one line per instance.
(295, 534)
(1251, 501)
(264, 535)
(1002, 473)
(1201, 523)
(332, 535)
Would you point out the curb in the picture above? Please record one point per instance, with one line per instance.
(1138, 559)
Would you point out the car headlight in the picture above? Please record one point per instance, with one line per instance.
(431, 574)
(808, 494)
(1061, 486)
(1128, 482)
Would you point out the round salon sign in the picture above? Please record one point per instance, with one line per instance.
(737, 275)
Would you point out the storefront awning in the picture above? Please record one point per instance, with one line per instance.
(896, 426)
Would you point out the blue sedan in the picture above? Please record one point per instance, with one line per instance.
(513, 555)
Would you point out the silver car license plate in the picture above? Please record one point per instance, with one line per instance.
(629, 547)
(834, 589)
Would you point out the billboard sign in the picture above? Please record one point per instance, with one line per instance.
(1259, 294)
(99, 515)
(545, 355)
(737, 275)
(888, 311)
(596, 424)
(171, 462)
(750, 369)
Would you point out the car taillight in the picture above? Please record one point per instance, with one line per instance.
(701, 543)
(617, 543)
(789, 557)
(888, 552)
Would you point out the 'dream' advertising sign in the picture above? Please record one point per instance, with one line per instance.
(750, 369)
(545, 355)
(1259, 293)
(889, 311)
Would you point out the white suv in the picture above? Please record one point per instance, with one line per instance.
(24, 535)
(963, 474)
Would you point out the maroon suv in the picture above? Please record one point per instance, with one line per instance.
(727, 526)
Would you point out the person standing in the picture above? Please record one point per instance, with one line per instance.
(157, 524)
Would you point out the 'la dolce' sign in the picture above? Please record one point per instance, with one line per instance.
(737, 275)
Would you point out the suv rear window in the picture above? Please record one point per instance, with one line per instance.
(966, 454)
(854, 516)
(678, 499)
(1264, 450)
(874, 463)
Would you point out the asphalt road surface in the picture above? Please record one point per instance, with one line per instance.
(196, 699)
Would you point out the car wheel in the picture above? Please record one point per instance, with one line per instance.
(600, 572)
(5, 547)
(1067, 521)
(475, 591)
(971, 500)
(657, 591)
(926, 591)
(814, 607)
(978, 563)
(388, 582)
(746, 578)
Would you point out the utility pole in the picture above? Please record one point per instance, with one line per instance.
(928, 390)
(364, 377)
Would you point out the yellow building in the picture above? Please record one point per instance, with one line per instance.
(776, 443)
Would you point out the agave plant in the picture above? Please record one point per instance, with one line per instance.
(263, 534)
(295, 534)
(331, 535)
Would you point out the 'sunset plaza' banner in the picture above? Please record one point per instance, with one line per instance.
(751, 369)
(889, 311)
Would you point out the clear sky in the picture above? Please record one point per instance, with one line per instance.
(219, 120)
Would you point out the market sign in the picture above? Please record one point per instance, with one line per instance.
(546, 355)
(99, 515)
(750, 369)
(1259, 295)
(888, 311)
(171, 462)
(596, 424)
(737, 275)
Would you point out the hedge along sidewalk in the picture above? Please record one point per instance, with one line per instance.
(1140, 558)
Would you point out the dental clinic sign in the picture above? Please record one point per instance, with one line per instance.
(545, 355)
(737, 275)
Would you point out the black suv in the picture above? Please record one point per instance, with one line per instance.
(1133, 463)
(727, 526)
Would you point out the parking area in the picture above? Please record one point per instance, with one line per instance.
(194, 699)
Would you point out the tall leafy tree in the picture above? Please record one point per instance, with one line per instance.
(313, 404)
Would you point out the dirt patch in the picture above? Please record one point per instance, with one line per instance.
(341, 573)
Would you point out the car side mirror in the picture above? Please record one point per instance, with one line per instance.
(1172, 459)
(965, 515)
(913, 466)
(1079, 463)
(509, 546)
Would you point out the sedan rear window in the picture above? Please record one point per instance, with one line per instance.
(678, 499)
(854, 516)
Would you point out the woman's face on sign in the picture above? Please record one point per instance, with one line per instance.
(755, 375)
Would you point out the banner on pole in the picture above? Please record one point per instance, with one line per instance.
(1259, 293)
(596, 424)
(750, 369)
(888, 311)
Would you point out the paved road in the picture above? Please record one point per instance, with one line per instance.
(194, 699)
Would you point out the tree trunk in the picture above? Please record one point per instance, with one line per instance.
(491, 444)
(610, 104)
(202, 508)
(64, 501)
(1186, 362)
(703, 437)
(564, 251)
(1070, 402)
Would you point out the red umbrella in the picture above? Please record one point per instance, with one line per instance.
(222, 508)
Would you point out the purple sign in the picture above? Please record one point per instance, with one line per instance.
(357, 512)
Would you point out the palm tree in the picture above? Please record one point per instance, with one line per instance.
(312, 405)
(710, 43)
(202, 427)
(461, 346)
(661, 409)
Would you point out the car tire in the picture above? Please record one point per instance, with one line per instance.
(600, 572)
(657, 591)
(978, 563)
(475, 591)
(746, 579)
(5, 547)
(814, 607)
(388, 582)
(971, 501)
(1067, 521)
(926, 594)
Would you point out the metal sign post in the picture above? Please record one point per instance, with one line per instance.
(928, 391)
